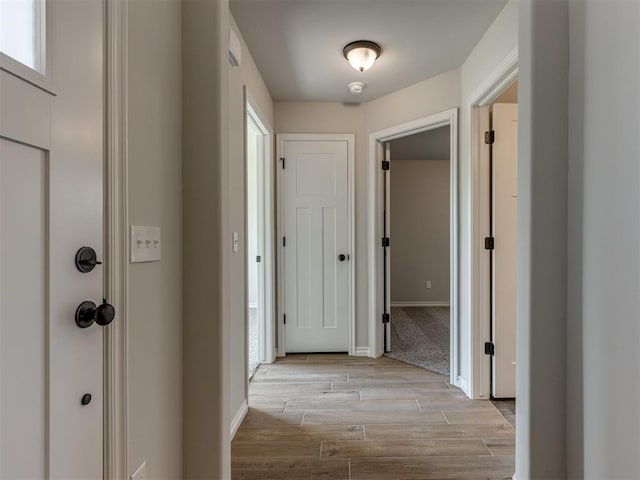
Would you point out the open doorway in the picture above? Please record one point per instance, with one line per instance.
(418, 215)
(259, 243)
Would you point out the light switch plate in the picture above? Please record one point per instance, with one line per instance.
(140, 473)
(145, 244)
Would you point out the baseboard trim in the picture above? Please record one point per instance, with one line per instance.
(420, 304)
(462, 385)
(237, 420)
(363, 352)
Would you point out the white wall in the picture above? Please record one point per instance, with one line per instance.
(542, 240)
(605, 151)
(154, 324)
(206, 238)
(246, 74)
(497, 43)
(419, 230)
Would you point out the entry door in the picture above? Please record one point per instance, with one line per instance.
(315, 196)
(51, 204)
(505, 208)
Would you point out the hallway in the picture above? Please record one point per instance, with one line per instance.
(339, 417)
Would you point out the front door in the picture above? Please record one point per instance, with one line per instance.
(51, 204)
(316, 230)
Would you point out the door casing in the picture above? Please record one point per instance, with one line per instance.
(375, 213)
(350, 139)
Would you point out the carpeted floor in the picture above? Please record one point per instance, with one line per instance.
(420, 336)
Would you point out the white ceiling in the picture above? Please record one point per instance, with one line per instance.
(429, 145)
(297, 44)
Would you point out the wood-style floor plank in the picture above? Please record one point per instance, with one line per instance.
(335, 417)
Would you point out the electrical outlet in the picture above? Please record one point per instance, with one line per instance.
(140, 473)
(428, 283)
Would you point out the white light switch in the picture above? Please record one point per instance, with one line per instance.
(236, 242)
(145, 244)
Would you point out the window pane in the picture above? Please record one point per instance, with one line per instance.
(21, 31)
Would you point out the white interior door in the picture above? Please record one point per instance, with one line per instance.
(505, 207)
(315, 200)
(51, 204)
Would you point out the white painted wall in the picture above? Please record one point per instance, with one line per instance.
(246, 74)
(496, 44)
(419, 230)
(430, 96)
(154, 324)
(207, 240)
(542, 240)
(604, 118)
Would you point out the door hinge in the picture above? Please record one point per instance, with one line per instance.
(489, 243)
(385, 318)
(258, 259)
(386, 242)
(386, 165)
(284, 241)
(490, 137)
(489, 348)
(282, 160)
(284, 319)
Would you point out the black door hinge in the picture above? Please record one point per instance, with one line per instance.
(386, 317)
(284, 241)
(284, 319)
(282, 160)
(258, 259)
(386, 165)
(490, 137)
(386, 242)
(489, 243)
(489, 348)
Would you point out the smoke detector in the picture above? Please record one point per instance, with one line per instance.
(356, 87)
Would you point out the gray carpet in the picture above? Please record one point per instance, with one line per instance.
(420, 336)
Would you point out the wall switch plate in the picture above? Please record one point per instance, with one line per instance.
(140, 473)
(428, 283)
(236, 242)
(145, 244)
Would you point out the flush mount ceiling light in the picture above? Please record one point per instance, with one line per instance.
(361, 54)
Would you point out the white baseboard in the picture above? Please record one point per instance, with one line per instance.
(237, 420)
(463, 385)
(420, 304)
(362, 352)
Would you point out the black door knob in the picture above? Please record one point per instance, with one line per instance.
(88, 313)
(342, 257)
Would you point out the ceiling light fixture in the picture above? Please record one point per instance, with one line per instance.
(361, 54)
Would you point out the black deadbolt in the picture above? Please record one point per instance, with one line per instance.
(86, 399)
(88, 313)
(342, 257)
(86, 259)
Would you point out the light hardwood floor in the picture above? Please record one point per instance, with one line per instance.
(334, 417)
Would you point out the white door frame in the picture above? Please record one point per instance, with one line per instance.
(496, 83)
(116, 267)
(350, 139)
(375, 209)
(268, 334)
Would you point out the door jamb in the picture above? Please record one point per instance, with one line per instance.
(374, 177)
(494, 84)
(268, 264)
(116, 271)
(350, 139)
